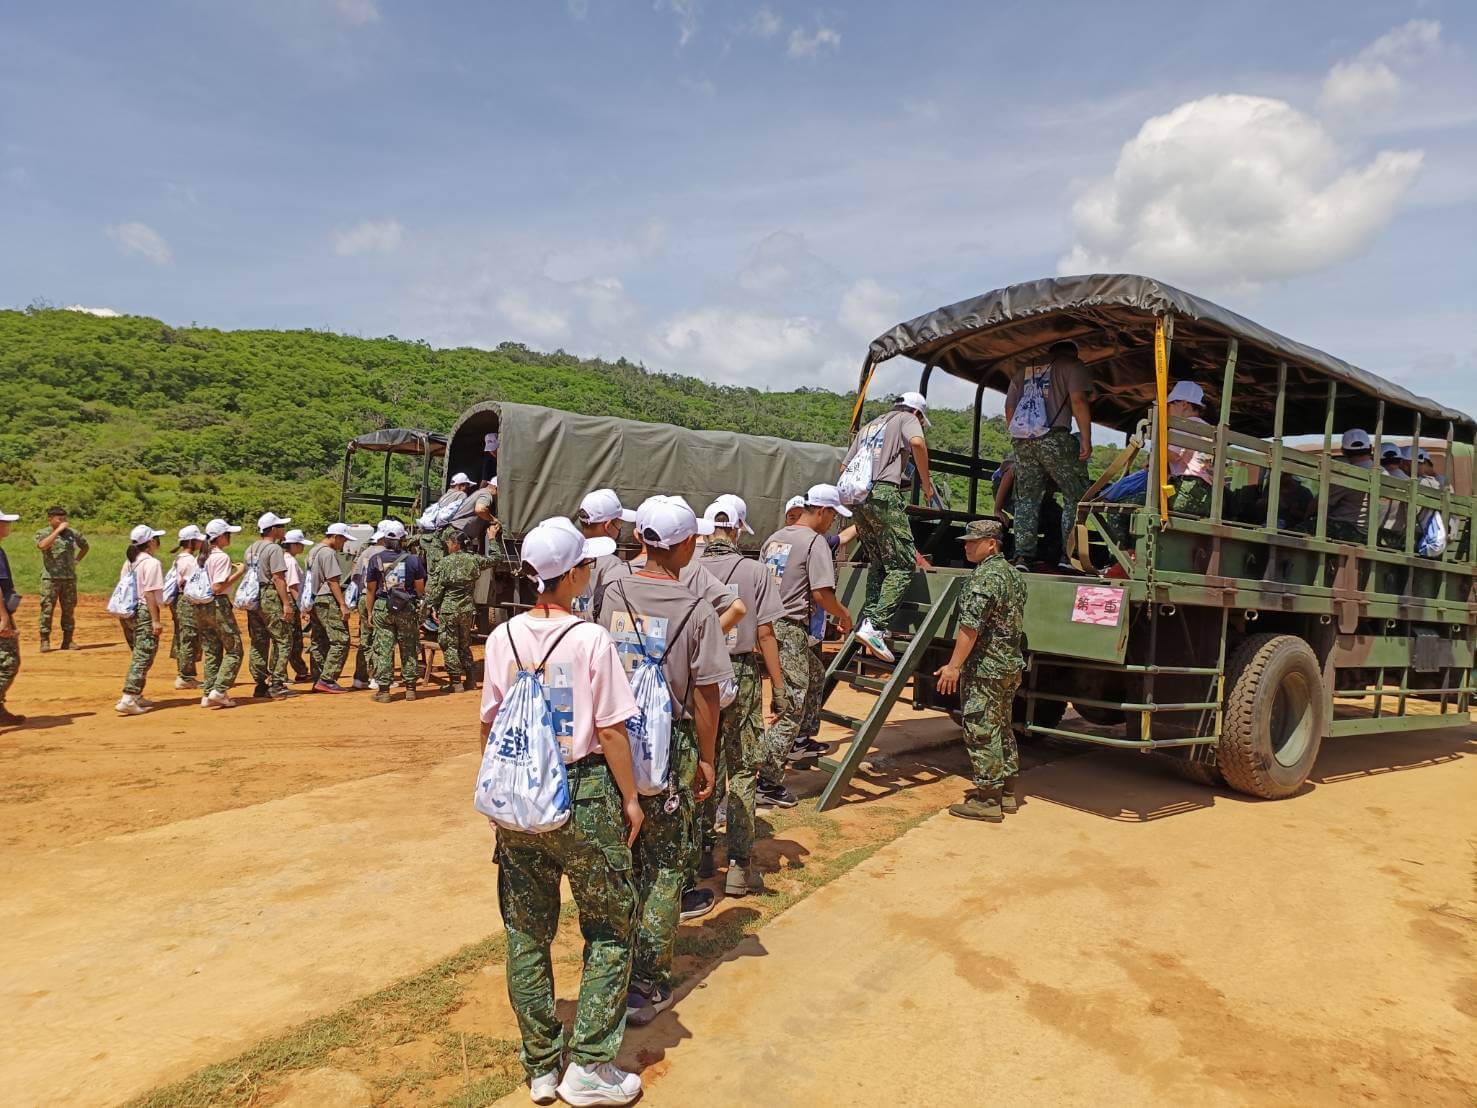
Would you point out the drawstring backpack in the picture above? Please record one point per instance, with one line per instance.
(1030, 419)
(439, 514)
(170, 593)
(198, 589)
(650, 729)
(728, 688)
(522, 784)
(856, 480)
(124, 601)
(249, 592)
(1432, 540)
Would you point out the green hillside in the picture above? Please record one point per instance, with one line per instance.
(128, 419)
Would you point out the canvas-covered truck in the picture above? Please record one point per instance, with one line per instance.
(549, 459)
(1233, 643)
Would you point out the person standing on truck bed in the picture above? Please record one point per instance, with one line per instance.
(985, 669)
(600, 517)
(1348, 508)
(898, 446)
(1040, 404)
(476, 520)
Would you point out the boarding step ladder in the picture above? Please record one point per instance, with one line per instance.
(916, 626)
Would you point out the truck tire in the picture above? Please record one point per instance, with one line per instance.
(1202, 773)
(1103, 717)
(1273, 716)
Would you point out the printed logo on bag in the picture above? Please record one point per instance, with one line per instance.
(1030, 420)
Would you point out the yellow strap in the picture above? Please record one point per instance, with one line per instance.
(861, 397)
(1161, 433)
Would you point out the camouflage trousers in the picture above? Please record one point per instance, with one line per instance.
(396, 630)
(887, 541)
(184, 645)
(363, 655)
(986, 705)
(455, 640)
(328, 635)
(58, 592)
(1053, 456)
(741, 751)
(590, 849)
(295, 641)
(433, 549)
(661, 864)
(10, 664)
(271, 640)
(804, 681)
(145, 646)
(220, 640)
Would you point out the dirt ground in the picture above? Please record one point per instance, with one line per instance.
(183, 884)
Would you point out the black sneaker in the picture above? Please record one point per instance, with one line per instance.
(767, 796)
(260, 692)
(697, 902)
(9, 718)
(643, 1006)
(810, 744)
(705, 867)
(282, 692)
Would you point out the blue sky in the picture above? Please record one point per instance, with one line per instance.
(744, 191)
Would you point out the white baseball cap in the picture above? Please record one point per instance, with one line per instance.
(793, 503)
(295, 536)
(664, 521)
(461, 479)
(392, 529)
(917, 402)
(270, 520)
(732, 505)
(602, 506)
(1405, 453)
(1187, 391)
(555, 547)
(142, 534)
(218, 527)
(1389, 450)
(826, 496)
(1422, 456)
(1355, 438)
(6, 517)
(380, 529)
(189, 533)
(337, 529)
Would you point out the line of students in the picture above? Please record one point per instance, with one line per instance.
(718, 624)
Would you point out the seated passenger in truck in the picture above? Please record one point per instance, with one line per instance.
(1348, 508)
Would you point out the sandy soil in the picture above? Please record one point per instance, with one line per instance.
(182, 884)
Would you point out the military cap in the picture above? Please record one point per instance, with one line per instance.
(984, 529)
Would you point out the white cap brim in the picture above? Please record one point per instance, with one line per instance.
(6, 517)
(598, 548)
(705, 526)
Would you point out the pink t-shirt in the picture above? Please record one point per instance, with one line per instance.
(294, 574)
(184, 565)
(148, 574)
(1184, 461)
(586, 684)
(218, 566)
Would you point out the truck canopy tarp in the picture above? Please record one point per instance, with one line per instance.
(548, 460)
(401, 440)
(1111, 319)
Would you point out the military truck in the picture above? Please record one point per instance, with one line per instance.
(1234, 644)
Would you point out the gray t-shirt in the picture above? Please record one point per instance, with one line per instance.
(760, 597)
(890, 438)
(1346, 505)
(325, 566)
(658, 613)
(607, 568)
(798, 561)
(1057, 381)
(270, 560)
(698, 581)
(467, 519)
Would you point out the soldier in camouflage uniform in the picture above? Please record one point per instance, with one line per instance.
(985, 669)
(449, 596)
(62, 550)
(10, 649)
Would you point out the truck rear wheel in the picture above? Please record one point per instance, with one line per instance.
(1202, 773)
(1274, 716)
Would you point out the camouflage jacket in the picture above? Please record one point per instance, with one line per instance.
(60, 562)
(994, 604)
(450, 588)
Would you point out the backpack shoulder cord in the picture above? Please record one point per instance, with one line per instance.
(636, 626)
(538, 670)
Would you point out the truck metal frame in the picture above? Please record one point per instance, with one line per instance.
(1233, 646)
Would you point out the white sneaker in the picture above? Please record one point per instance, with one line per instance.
(373, 684)
(144, 701)
(605, 1083)
(872, 639)
(219, 699)
(205, 701)
(129, 706)
(186, 683)
(544, 1089)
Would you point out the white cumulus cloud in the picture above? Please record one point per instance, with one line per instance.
(369, 237)
(808, 45)
(765, 23)
(141, 239)
(740, 346)
(1234, 190)
(687, 12)
(358, 12)
(867, 309)
(533, 320)
(106, 313)
(1370, 80)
